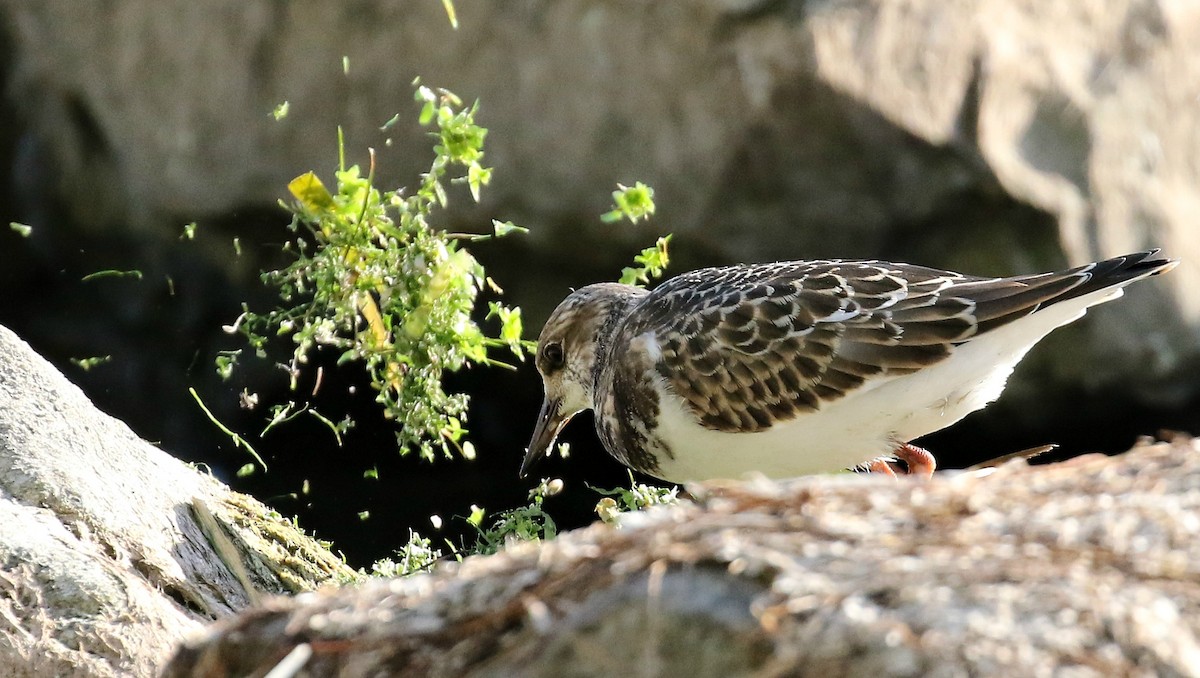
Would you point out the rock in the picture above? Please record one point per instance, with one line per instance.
(1082, 568)
(112, 551)
(995, 137)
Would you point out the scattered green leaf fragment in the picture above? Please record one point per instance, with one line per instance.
(238, 441)
(525, 523)
(245, 470)
(225, 362)
(345, 65)
(22, 230)
(511, 327)
(86, 364)
(633, 203)
(237, 247)
(280, 112)
(417, 555)
(112, 273)
(282, 413)
(364, 515)
(375, 283)
(638, 496)
(478, 176)
(341, 134)
(503, 228)
(337, 428)
(371, 473)
(189, 231)
(477, 515)
(450, 13)
(390, 123)
(650, 263)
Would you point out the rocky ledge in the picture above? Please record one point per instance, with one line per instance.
(1089, 567)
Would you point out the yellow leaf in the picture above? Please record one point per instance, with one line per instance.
(311, 193)
(370, 311)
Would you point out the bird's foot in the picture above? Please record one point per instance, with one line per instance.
(917, 462)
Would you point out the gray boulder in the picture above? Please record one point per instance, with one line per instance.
(111, 550)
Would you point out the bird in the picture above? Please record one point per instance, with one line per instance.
(797, 368)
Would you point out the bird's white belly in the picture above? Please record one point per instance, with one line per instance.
(868, 422)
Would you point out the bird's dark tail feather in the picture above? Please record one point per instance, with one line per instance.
(1111, 272)
(1001, 304)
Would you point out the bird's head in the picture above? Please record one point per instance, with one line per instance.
(567, 356)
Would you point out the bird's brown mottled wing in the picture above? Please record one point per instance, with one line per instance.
(749, 346)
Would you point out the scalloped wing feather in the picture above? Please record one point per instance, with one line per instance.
(749, 346)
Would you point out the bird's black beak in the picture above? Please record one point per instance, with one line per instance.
(549, 422)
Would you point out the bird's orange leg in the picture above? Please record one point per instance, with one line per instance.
(882, 466)
(920, 461)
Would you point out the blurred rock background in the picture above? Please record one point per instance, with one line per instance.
(993, 137)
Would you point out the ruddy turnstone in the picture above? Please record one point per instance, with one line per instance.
(799, 367)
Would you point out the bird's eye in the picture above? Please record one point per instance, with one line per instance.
(552, 353)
